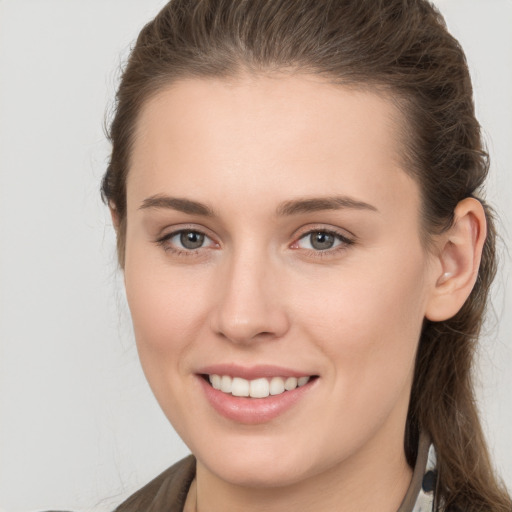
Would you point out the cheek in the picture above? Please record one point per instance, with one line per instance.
(169, 317)
(384, 295)
(168, 310)
(368, 324)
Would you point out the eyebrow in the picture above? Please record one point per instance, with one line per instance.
(177, 203)
(292, 207)
(316, 204)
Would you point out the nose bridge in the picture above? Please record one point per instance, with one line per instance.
(249, 305)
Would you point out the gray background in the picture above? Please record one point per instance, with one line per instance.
(79, 428)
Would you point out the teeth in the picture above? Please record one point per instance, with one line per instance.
(302, 380)
(276, 386)
(290, 383)
(215, 381)
(257, 388)
(226, 384)
(240, 387)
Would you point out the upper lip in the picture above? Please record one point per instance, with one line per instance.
(252, 372)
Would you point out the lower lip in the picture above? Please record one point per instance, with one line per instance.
(252, 411)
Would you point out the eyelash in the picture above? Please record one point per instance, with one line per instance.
(164, 242)
(344, 243)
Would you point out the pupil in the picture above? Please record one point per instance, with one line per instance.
(322, 241)
(191, 239)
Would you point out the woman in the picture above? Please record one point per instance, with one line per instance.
(295, 189)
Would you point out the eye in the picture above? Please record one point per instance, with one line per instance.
(321, 240)
(189, 239)
(185, 240)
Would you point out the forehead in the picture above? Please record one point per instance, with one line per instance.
(243, 135)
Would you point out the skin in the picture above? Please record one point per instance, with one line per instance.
(256, 292)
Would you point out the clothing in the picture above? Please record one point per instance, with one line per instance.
(168, 491)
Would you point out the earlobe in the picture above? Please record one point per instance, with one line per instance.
(459, 256)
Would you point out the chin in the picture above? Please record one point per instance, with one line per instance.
(263, 461)
(265, 472)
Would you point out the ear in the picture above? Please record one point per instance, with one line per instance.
(459, 258)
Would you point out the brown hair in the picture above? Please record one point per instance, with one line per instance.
(402, 47)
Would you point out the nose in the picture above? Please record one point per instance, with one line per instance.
(251, 305)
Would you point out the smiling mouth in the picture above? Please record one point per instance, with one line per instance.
(256, 388)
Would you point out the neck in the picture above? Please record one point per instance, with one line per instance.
(364, 482)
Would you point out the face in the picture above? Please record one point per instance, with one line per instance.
(273, 247)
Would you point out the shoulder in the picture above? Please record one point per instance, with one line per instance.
(167, 492)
